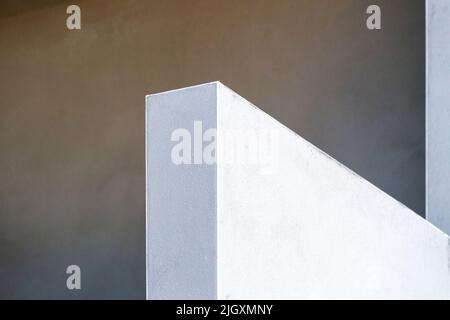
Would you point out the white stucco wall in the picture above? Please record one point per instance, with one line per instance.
(315, 229)
(297, 224)
(181, 199)
(438, 114)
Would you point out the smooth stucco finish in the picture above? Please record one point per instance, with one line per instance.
(181, 199)
(315, 229)
(307, 228)
(438, 114)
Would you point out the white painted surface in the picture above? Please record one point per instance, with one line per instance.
(310, 229)
(315, 229)
(438, 114)
(181, 200)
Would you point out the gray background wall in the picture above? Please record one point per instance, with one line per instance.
(72, 182)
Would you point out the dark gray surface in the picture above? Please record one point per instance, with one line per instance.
(72, 178)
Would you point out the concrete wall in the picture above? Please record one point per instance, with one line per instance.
(72, 142)
(310, 228)
(438, 113)
(293, 224)
(181, 199)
